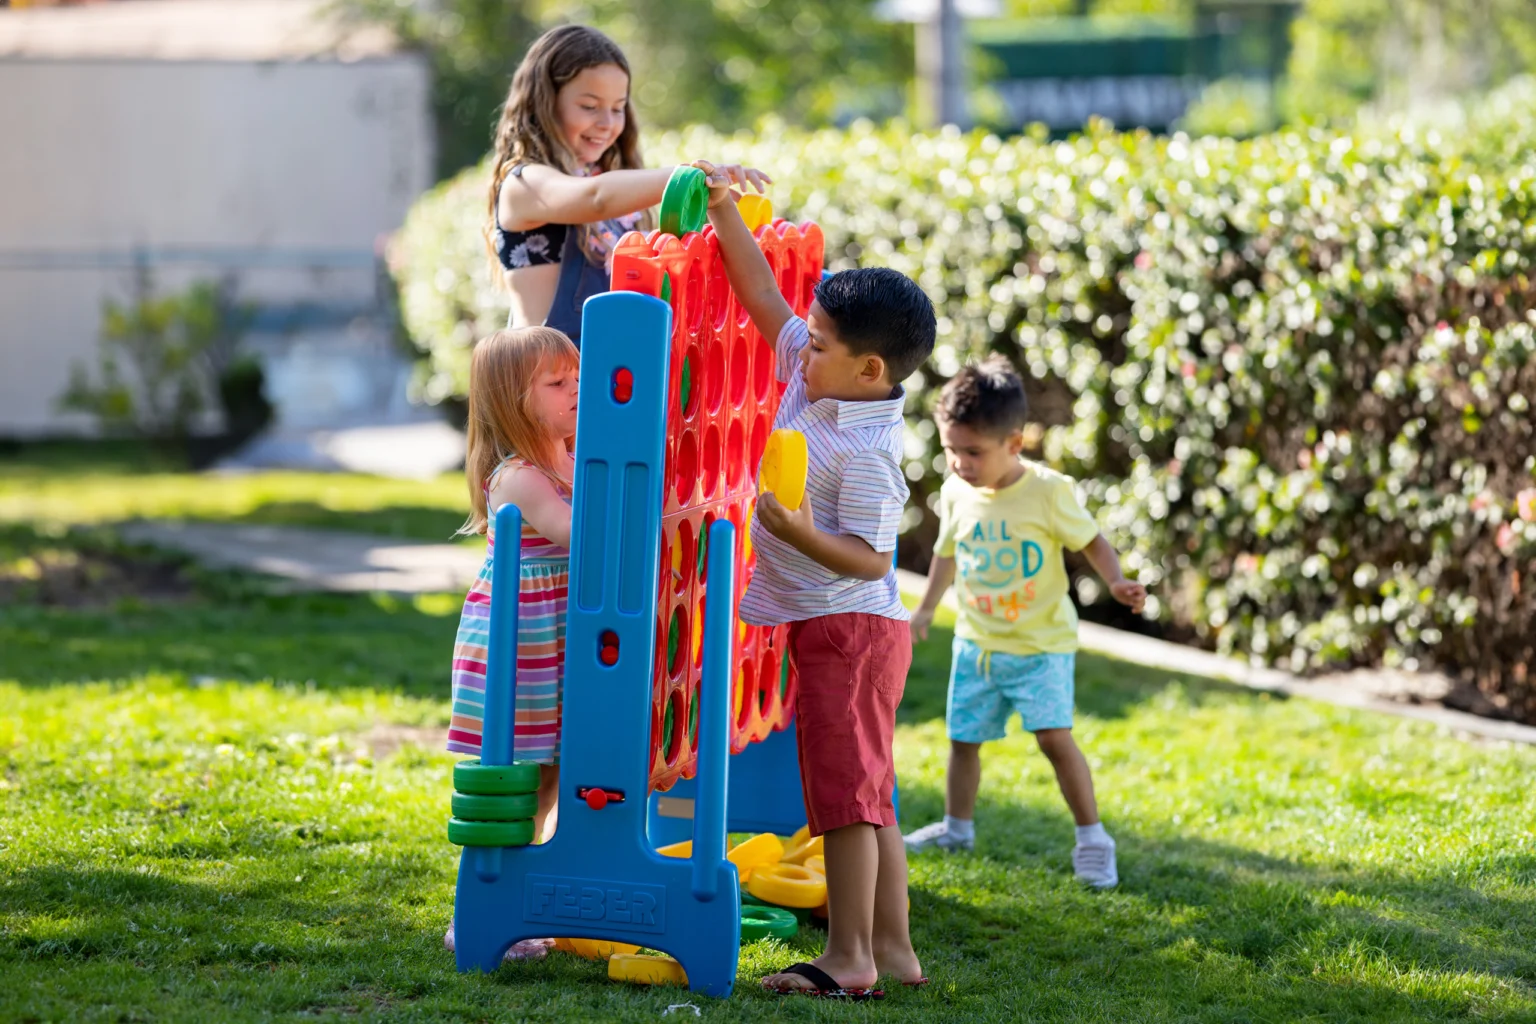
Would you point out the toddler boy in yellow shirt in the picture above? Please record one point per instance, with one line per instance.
(1004, 523)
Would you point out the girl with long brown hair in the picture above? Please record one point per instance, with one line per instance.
(567, 180)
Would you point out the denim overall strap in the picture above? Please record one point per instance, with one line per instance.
(579, 281)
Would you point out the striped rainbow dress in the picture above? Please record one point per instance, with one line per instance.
(543, 578)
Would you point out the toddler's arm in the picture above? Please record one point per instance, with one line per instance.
(745, 266)
(941, 573)
(1101, 555)
(543, 507)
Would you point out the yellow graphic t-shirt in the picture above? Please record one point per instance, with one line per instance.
(1010, 580)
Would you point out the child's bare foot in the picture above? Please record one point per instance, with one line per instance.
(900, 963)
(848, 973)
(527, 949)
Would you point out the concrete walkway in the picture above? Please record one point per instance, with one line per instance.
(333, 560)
(318, 559)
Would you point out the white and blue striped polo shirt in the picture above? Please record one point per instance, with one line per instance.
(855, 486)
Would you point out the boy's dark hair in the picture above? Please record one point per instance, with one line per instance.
(881, 312)
(988, 397)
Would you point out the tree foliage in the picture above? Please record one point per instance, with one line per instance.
(1294, 372)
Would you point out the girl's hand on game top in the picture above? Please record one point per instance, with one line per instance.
(1129, 593)
(721, 177)
(921, 620)
(792, 527)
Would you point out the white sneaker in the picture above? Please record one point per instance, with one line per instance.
(1095, 864)
(937, 837)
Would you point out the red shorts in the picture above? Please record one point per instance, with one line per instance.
(852, 669)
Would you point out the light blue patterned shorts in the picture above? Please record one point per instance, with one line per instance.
(985, 688)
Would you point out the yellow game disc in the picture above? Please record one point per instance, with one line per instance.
(784, 467)
(788, 885)
(808, 848)
(754, 853)
(756, 210)
(683, 849)
(646, 970)
(600, 949)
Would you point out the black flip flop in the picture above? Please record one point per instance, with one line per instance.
(827, 986)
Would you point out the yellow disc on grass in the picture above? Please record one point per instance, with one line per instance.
(683, 849)
(759, 851)
(788, 885)
(646, 970)
(600, 949)
(806, 849)
(784, 466)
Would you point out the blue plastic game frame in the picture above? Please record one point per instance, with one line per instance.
(599, 876)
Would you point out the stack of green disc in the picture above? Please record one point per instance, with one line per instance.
(493, 805)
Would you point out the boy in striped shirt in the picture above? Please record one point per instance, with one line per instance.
(826, 568)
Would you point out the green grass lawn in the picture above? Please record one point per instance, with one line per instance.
(228, 804)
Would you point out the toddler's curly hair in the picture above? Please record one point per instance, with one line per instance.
(986, 396)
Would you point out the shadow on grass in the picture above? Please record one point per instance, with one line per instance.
(1202, 930)
(84, 617)
(1106, 688)
(330, 640)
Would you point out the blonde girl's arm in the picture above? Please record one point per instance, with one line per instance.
(544, 195)
(543, 507)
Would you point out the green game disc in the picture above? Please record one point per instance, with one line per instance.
(480, 807)
(685, 386)
(496, 779)
(668, 725)
(764, 922)
(674, 637)
(802, 914)
(685, 203)
(489, 833)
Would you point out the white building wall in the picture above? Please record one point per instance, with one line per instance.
(284, 175)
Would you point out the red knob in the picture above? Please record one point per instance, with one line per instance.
(597, 799)
(608, 655)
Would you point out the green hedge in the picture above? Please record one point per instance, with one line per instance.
(1294, 373)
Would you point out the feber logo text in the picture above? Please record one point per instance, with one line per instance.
(625, 905)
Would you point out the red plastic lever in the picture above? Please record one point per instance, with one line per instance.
(597, 797)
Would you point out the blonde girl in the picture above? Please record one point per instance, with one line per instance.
(522, 427)
(567, 180)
